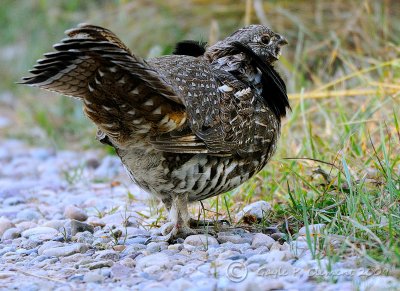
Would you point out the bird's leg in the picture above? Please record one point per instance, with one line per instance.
(180, 218)
(180, 224)
(178, 227)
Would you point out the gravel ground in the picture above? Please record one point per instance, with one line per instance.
(66, 224)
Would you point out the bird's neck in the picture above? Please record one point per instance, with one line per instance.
(242, 68)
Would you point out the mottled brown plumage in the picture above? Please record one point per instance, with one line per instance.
(187, 126)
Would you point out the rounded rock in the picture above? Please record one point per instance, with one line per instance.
(5, 224)
(28, 215)
(78, 226)
(93, 277)
(84, 237)
(49, 245)
(40, 233)
(11, 233)
(156, 247)
(107, 255)
(95, 221)
(380, 283)
(66, 250)
(258, 209)
(261, 239)
(119, 248)
(200, 240)
(73, 212)
(161, 260)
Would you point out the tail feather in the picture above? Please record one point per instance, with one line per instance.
(121, 93)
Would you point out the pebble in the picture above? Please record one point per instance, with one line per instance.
(155, 247)
(63, 251)
(58, 224)
(26, 225)
(57, 229)
(11, 233)
(119, 248)
(270, 257)
(5, 275)
(84, 237)
(95, 221)
(40, 233)
(259, 209)
(30, 244)
(98, 264)
(49, 245)
(107, 255)
(93, 277)
(380, 283)
(161, 260)
(77, 226)
(261, 239)
(200, 240)
(120, 271)
(5, 224)
(28, 215)
(15, 200)
(73, 212)
(234, 238)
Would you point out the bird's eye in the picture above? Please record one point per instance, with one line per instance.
(265, 39)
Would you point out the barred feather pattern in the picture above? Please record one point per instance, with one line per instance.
(191, 125)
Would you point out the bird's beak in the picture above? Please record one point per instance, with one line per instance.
(282, 41)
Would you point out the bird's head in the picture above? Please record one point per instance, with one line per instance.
(261, 39)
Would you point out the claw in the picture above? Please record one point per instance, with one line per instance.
(177, 232)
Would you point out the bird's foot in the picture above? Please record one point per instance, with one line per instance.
(172, 233)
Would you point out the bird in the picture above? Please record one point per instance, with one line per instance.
(186, 126)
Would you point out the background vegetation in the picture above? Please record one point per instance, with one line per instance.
(338, 162)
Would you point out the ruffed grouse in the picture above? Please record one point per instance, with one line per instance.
(186, 126)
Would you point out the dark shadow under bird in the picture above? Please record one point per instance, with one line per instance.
(187, 126)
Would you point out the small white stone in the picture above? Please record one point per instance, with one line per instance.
(11, 233)
(49, 245)
(260, 240)
(380, 283)
(200, 240)
(40, 233)
(26, 225)
(93, 277)
(159, 259)
(181, 284)
(28, 215)
(175, 247)
(73, 212)
(58, 224)
(66, 250)
(258, 209)
(107, 255)
(152, 269)
(5, 275)
(5, 224)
